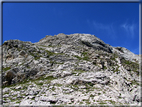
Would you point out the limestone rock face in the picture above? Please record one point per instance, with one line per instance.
(75, 69)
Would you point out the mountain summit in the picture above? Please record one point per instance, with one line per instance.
(75, 69)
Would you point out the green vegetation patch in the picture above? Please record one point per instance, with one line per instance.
(123, 61)
(135, 82)
(84, 53)
(48, 78)
(43, 45)
(115, 69)
(85, 56)
(75, 87)
(79, 71)
(102, 103)
(39, 83)
(130, 66)
(41, 48)
(35, 55)
(59, 85)
(77, 57)
(112, 102)
(105, 67)
(114, 55)
(7, 68)
(50, 53)
(90, 84)
(86, 101)
(92, 95)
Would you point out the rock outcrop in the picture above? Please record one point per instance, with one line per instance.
(76, 69)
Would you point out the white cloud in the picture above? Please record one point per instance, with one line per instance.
(129, 29)
(101, 26)
(114, 30)
(109, 29)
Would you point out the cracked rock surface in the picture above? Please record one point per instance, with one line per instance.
(75, 69)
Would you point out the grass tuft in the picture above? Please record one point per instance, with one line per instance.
(7, 68)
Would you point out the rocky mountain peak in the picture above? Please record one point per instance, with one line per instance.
(89, 41)
(75, 69)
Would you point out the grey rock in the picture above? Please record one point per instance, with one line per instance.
(9, 76)
(19, 96)
(66, 73)
(22, 53)
(19, 87)
(6, 90)
(75, 69)
(5, 96)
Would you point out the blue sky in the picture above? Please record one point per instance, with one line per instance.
(116, 24)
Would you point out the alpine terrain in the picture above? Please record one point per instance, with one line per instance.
(75, 69)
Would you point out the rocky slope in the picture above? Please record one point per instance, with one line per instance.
(76, 69)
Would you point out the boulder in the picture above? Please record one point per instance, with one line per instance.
(9, 76)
